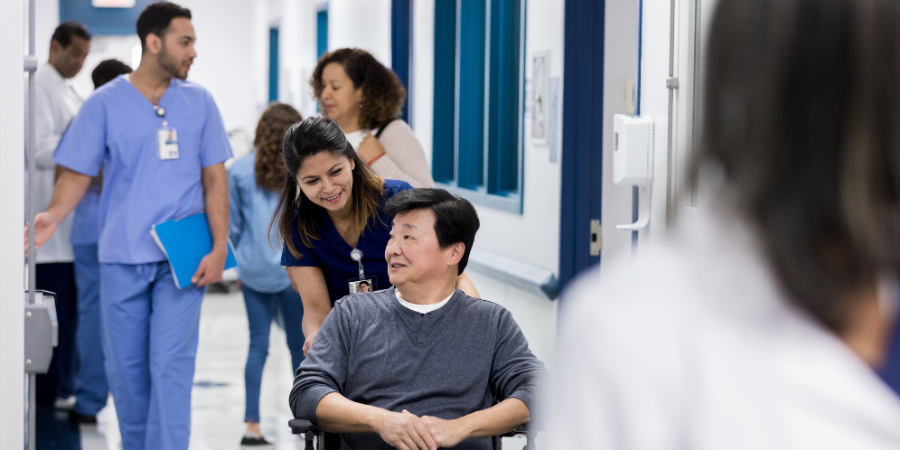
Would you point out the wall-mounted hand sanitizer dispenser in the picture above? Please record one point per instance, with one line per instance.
(633, 162)
(632, 149)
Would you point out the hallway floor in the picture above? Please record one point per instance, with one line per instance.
(218, 396)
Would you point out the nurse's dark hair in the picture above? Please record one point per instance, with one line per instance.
(66, 30)
(455, 219)
(268, 141)
(308, 138)
(107, 71)
(156, 18)
(802, 116)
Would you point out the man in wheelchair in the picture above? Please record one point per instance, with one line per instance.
(420, 365)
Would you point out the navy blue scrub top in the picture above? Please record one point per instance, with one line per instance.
(331, 253)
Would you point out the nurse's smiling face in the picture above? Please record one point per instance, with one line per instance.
(326, 179)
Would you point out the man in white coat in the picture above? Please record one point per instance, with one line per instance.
(57, 101)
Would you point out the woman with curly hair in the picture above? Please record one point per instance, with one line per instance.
(364, 98)
(254, 184)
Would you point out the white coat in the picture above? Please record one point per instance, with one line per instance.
(56, 102)
(695, 346)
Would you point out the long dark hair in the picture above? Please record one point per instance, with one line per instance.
(383, 93)
(309, 138)
(802, 113)
(275, 120)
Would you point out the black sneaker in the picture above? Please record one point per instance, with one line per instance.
(81, 418)
(252, 440)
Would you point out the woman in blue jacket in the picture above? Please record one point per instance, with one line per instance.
(254, 183)
(331, 220)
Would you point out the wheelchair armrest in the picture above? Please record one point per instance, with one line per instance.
(300, 426)
(521, 430)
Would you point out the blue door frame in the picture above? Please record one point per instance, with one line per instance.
(401, 26)
(582, 128)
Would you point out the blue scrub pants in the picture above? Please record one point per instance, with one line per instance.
(90, 388)
(150, 332)
(262, 308)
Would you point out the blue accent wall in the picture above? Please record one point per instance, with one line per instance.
(401, 12)
(321, 32)
(115, 21)
(471, 94)
(582, 128)
(505, 99)
(273, 64)
(443, 158)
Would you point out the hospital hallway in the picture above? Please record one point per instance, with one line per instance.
(218, 396)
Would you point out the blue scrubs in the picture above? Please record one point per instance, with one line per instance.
(90, 386)
(331, 252)
(149, 326)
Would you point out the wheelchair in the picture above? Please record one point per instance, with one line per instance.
(314, 436)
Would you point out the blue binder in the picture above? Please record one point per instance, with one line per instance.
(185, 242)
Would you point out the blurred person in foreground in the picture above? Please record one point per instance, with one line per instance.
(90, 387)
(758, 324)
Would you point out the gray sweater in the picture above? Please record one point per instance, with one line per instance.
(448, 363)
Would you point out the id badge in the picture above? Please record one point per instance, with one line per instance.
(358, 286)
(167, 139)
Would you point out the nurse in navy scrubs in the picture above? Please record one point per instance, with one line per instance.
(331, 220)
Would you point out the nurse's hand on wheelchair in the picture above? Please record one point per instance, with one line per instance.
(405, 431)
(44, 226)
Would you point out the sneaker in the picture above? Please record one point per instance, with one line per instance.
(81, 418)
(65, 404)
(253, 440)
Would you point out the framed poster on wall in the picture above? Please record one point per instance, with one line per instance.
(540, 97)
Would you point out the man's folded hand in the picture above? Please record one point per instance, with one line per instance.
(405, 431)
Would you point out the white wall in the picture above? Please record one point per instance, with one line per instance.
(12, 320)
(620, 65)
(228, 50)
(364, 24)
(422, 74)
(46, 20)
(297, 54)
(225, 58)
(655, 103)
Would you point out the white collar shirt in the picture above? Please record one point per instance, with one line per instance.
(56, 102)
(422, 309)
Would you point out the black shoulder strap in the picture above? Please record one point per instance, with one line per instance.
(381, 129)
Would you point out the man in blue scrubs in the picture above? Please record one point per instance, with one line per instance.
(162, 144)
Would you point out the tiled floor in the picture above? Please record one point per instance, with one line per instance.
(218, 396)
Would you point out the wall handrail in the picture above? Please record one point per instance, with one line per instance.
(525, 276)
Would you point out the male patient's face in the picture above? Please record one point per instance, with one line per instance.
(413, 254)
